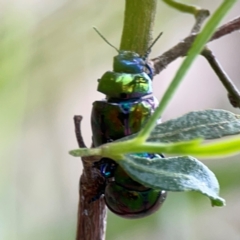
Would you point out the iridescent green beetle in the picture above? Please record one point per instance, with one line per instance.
(125, 85)
(125, 110)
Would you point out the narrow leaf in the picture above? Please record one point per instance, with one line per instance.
(207, 124)
(174, 174)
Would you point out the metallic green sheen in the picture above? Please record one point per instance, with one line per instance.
(125, 85)
(111, 121)
(130, 203)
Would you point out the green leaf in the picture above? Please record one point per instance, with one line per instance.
(174, 174)
(207, 124)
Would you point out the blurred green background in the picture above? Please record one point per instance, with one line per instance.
(50, 60)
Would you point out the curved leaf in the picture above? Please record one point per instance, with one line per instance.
(174, 174)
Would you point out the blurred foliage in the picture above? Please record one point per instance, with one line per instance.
(14, 56)
(50, 59)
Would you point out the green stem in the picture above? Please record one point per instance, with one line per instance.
(196, 48)
(218, 149)
(182, 7)
(222, 148)
(86, 152)
(138, 25)
(194, 147)
(114, 150)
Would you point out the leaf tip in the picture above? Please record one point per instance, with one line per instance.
(74, 153)
(219, 202)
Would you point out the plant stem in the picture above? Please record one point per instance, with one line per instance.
(181, 49)
(233, 93)
(138, 24)
(199, 13)
(91, 217)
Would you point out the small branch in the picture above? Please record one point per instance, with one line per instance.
(199, 13)
(233, 93)
(179, 50)
(91, 223)
(182, 48)
(78, 133)
(200, 16)
(227, 28)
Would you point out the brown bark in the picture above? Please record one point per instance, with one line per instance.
(91, 223)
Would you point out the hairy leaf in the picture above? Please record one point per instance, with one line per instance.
(174, 174)
(207, 124)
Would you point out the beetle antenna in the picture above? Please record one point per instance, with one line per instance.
(159, 35)
(152, 44)
(105, 39)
